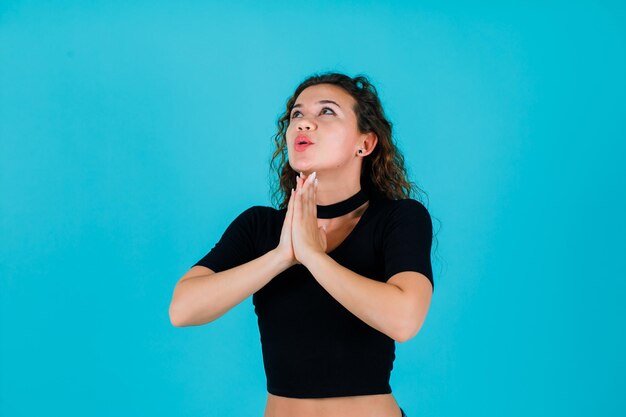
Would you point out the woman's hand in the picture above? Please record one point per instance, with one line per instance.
(285, 248)
(306, 237)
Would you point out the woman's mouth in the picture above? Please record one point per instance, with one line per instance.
(299, 147)
(302, 142)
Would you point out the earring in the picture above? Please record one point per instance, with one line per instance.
(360, 150)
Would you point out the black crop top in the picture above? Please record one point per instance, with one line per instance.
(312, 346)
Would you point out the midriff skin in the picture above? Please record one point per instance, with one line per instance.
(381, 405)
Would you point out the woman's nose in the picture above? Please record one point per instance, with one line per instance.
(305, 124)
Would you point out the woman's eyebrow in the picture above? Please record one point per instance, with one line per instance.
(319, 102)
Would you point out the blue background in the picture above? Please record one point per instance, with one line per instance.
(132, 134)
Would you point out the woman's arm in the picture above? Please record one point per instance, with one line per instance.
(397, 308)
(202, 295)
(200, 299)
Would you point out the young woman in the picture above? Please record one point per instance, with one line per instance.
(340, 272)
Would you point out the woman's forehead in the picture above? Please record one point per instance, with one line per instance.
(318, 92)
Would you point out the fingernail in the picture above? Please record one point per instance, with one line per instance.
(314, 174)
(316, 182)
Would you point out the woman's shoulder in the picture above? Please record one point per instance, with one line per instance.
(262, 213)
(389, 212)
(257, 217)
(267, 210)
(402, 205)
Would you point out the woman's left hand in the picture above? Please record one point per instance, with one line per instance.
(306, 237)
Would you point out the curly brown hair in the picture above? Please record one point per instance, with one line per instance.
(382, 173)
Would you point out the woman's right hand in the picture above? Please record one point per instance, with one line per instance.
(285, 247)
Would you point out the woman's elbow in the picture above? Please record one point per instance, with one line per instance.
(174, 318)
(409, 330)
(177, 317)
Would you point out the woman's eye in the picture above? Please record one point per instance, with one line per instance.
(325, 108)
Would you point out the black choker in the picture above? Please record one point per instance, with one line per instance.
(342, 207)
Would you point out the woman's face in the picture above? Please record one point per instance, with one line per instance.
(323, 114)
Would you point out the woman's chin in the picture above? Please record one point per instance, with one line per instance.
(306, 168)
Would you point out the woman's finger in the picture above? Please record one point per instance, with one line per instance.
(309, 194)
(290, 207)
(298, 183)
(297, 202)
(305, 197)
(314, 205)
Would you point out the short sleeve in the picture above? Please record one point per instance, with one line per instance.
(236, 246)
(407, 240)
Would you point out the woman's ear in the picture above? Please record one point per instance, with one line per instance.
(369, 143)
